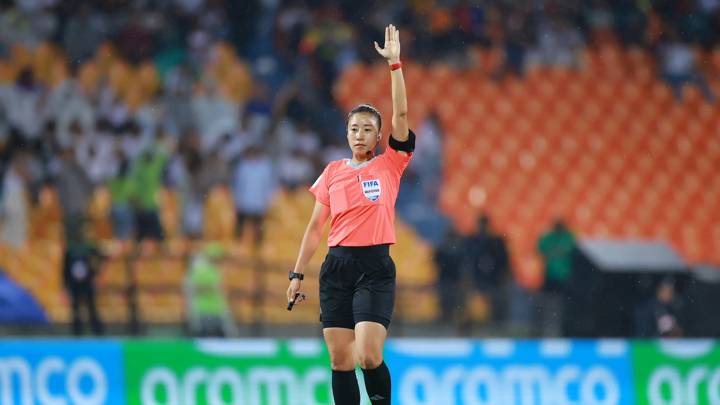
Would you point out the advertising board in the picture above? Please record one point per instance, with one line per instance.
(59, 372)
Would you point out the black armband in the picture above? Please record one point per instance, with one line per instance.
(405, 146)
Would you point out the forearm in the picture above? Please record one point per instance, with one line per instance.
(399, 101)
(311, 241)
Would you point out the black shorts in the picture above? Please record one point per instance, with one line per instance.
(357, 284)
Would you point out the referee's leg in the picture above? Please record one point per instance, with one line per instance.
(369, 342)
(341, 346)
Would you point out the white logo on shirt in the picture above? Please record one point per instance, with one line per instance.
(371, 189)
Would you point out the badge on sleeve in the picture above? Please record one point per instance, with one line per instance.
(371, 189)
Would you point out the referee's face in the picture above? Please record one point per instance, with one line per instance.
(362, 133)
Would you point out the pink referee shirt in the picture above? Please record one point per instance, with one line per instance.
(362, 200)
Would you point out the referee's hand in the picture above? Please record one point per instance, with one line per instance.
(294, 296)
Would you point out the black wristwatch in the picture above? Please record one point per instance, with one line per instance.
(298, 276)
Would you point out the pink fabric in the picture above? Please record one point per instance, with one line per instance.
(362, 201)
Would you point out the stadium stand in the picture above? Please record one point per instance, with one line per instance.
(604, 145)
(585, 145)
(159, 275)
(581, 144)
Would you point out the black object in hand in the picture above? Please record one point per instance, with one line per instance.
(291, 303)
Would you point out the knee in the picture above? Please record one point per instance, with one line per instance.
(342, 360)
(370, 359)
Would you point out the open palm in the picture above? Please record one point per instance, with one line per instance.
(391, 50)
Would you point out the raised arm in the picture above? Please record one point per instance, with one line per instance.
(391, 53)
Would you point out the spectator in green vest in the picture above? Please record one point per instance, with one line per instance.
(556, 247)
(147, 176)
(208, 313)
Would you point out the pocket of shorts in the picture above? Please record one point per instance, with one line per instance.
(323, 268)
(328, 267)
(389, 267)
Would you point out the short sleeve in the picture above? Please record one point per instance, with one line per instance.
(321, 187)
(397, 160)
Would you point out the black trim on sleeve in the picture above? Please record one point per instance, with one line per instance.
(405, 146)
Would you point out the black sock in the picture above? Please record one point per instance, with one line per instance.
(345, 388)
(377, 383)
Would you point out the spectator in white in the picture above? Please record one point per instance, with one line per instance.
(336, 150)
(296, 169)
(14, 203)
(231, 147)
(678, 67)
(68, 105)
(116, 111)
(133, 141)
(214, 115)
(24, 105)
(149, 116)
(258, 109)
(199, 44)
(284, 137)
(104, 102)
(184, 170)
(291, 135)
(194, 176)
(97, 156)
(178, 87)
(254, 184)
(307, 140)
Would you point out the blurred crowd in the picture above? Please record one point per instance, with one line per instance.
(190, 93)
(137, 95)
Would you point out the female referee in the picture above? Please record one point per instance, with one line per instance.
(357, 278)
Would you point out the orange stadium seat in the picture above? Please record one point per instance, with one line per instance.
(609, 146)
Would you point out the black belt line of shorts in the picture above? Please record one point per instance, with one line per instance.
(360, 252)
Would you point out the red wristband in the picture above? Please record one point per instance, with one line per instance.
(395, 66)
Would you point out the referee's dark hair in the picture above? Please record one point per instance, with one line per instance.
(366, 108)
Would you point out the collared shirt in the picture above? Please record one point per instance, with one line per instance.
(362, 199)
